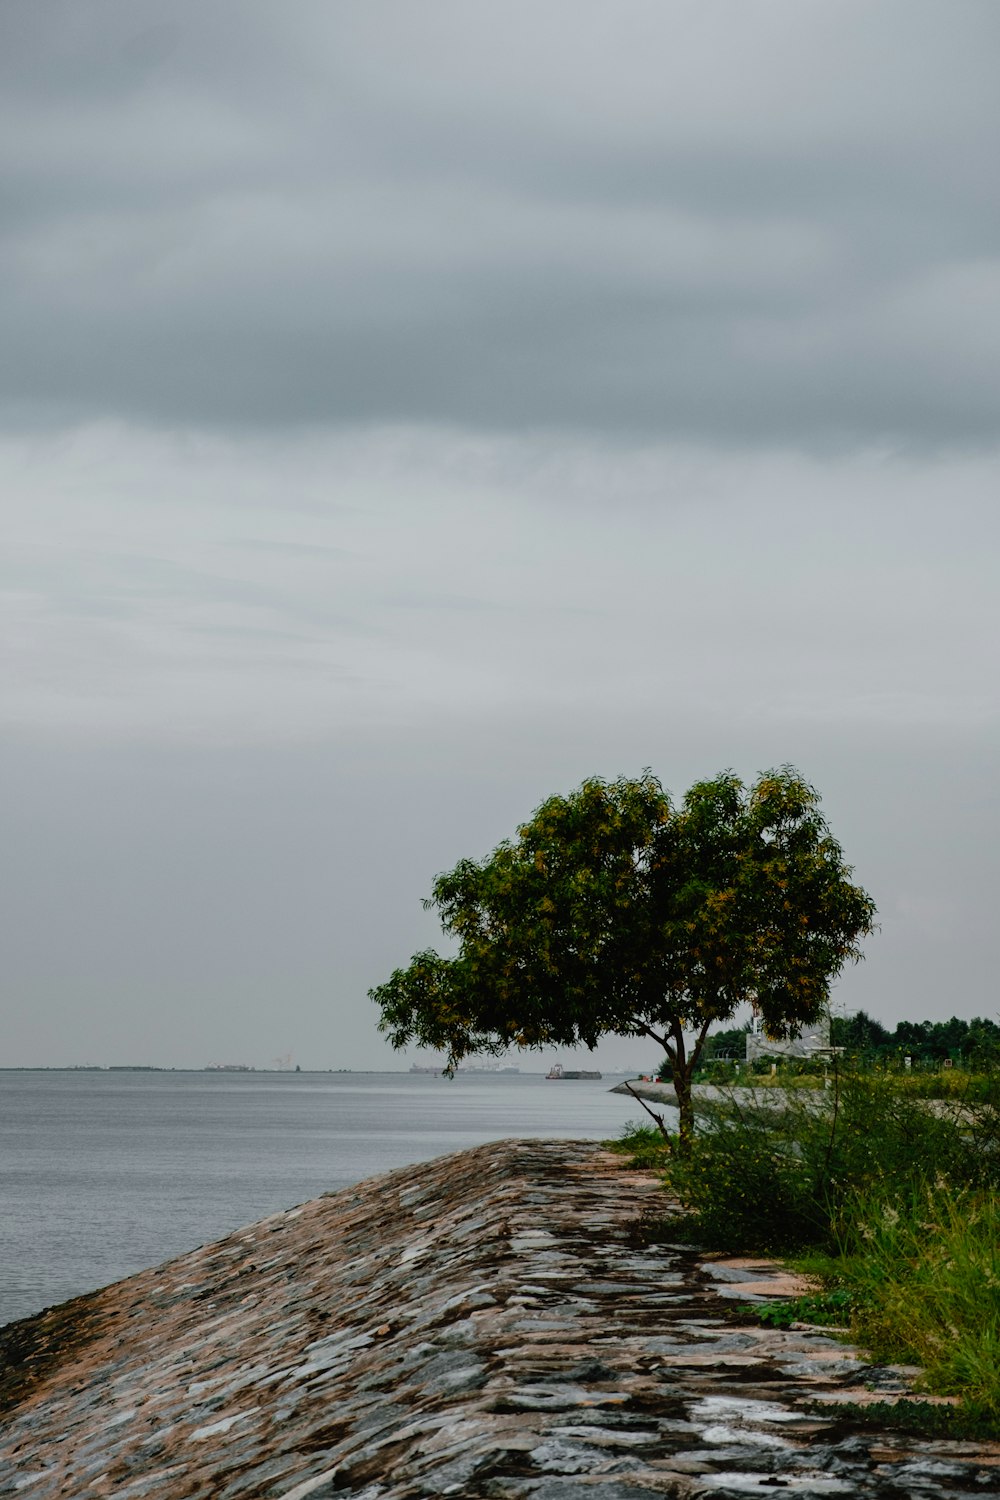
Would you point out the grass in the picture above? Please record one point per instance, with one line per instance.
(642, 1144)
(924, 1419)
(958, 1085)
(890, 1204)
(922, 1273)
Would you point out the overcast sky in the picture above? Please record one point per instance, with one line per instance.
(407, 410)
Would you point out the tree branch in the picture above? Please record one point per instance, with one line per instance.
(679, 1050)
(703, 1033)
(654, 1036)
(661, 1126)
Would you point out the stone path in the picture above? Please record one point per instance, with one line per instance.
(489, 1324)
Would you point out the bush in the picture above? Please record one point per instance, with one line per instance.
(642, 1144)
(923, 1274)
(894, 1195)
(776, 1170)
(745, 1189)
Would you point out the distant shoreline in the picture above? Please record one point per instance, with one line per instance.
(272, 1072)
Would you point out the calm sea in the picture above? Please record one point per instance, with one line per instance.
(103, 1174)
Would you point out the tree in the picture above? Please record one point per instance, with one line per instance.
(859, 1033)
(720, 1046)
(612, 912)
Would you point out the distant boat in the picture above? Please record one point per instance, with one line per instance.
(558, 1071)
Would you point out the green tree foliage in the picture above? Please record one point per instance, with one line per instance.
(613, 912)
(720, 1046)
(857, 1033)
(926, 1043)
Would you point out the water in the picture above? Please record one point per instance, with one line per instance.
(104, 1174)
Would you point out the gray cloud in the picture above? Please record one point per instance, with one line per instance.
(730, 222)
(409, 410)
(254, 591)
(258, 691)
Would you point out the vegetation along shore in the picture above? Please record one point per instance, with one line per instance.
(881, 1184)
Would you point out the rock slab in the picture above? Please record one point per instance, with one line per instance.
(498, 1323)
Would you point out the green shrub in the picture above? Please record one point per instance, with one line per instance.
(642, 1144)
(926, 1419)
(895, 1195)
(922, 1270)
(779, 1170)
(745, 1190)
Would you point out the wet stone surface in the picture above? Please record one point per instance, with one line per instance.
(491, 1324)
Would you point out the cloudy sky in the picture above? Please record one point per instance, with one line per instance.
(407, 410)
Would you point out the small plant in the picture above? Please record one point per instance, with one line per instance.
(746, 1190)
(642, 1144)
(831, 1309)
(927, 1419)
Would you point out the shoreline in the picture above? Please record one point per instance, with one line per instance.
(491, 1322)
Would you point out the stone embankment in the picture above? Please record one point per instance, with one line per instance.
(704, 1095)
(496, 1323)
(663, 1093)
(766, 1096)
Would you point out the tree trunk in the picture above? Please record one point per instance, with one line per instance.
(685, 1106)
(682, 1066)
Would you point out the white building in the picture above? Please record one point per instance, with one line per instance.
(812, 1039)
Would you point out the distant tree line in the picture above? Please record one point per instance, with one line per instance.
(722, 1046)
(929, 1042)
